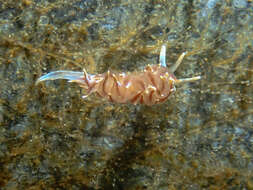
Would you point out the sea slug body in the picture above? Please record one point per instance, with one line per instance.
(151, 86)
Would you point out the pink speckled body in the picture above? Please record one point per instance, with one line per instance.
(151, 86)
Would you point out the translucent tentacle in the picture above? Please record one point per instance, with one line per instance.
(72, 76)
(179, 81)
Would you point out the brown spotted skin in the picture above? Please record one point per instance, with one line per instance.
(151, 86)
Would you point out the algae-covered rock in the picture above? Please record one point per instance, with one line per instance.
(52, 138)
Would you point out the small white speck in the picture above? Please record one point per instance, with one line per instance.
(151, 87)
(119, 83)
(128, 84)
(122, 74)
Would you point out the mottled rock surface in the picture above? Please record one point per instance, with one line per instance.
(50, 138)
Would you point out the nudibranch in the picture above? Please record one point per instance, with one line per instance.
(150, 86)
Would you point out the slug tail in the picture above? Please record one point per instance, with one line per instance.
(71, 76)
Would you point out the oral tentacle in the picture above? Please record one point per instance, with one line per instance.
(174, 67)
(180, 81)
